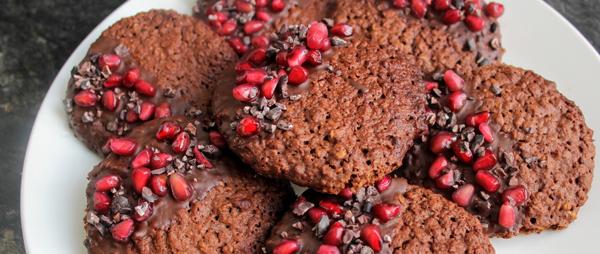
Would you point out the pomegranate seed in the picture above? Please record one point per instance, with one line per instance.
(328, 249)
(106, 147)
(385, 212)
(445, 181)
(216, 26)
(384, 183)
(452, 16)
(145, 88)
(180, 188)
(246, 92)
(441, 5)
(132, 117)
(101, 202)
(316, 213)
(160, 160)
(418, 8)
(456, 101)
(168, 130)
(200, 159)
(315, 36)
(115, 80)
(260, 41)
(314, 57)
(486, 130)
(516, 195)
(140, 178)
(485, 162)
(298, 75)
(474, 120)
(326, 45)
(263, 16)
(123, 146)
(439, 164)
(121, 231)
(487, 181)
(146, 110)
(300, 200)
(142, 159)
(243, 66)
(466, 155)
(371, 235)
(130, 77)
(217, 139)
(258, 57)
(238, 46)
(85, 98)
(243, 6)
(281, 73)
(475, 23)
(506, 218)
(268, 88)
(111, 60)
(147, 214)
(181, 142)
(345, 193)
(454, 82)
(430, 85)
(281, 58)
(253, 26)
(249, 126)
(241, 79)
(333, 209)
(108, 182)
(463, 195)
(477, 3)
(228, 27)
(158, 185)
(494, 9)
(256, 76)
(220, 16)
(109, 100)
(298, 56)
(334, 235)
(277, 5)
(342, 29)
(441, 142)
(163, 110)
(286, 246)
(400, 4)
(261, 3)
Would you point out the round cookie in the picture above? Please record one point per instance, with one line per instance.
(148, 66)
(400, 219)
(346, 122)
(518, 156)
(203, 200)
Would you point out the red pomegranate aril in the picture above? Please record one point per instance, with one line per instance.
(140, 178)
(418, 8)
(445, 181)
(217, 139)
(258, 56)
(263, 16)
(400, 3)
(466, 155)
(101, 202)
(241, 79)
(371, 236)
(180, 188)
(261, 3)
(439, 164)
(386, 212)
(243, 6)
(486, 130)
(218, 16)
(456, 101)
(315, 36)
(475, 120)
(216, 26)
(297, 75)
(163, 110)
(124, 146)
(146, 111)
(452, 16)
(115, 80)
(85, 98)
(333, 209)
(384, 183)
(147, 214)
(131, 76)
(111, 60)
(298, 56)
(316, 213)
(441, 5)
(299, 200)
(158, 185)
(106, 146)
(110, 101)
(260, 41)
(243, 66)
(246, 92)
(494, 9)
(281, 73)
(342, 29)
(515, 195)
(122, 230)
(228, 28)
(487, 181)
(132, 117)
(108, 182)
(268, 88)
(256, 76)
(145, 88)
(181, 142)
(314, 57)
(334, 235)
(238, 45)
(328, 249)
(326, 45)
(281, 58)
(485, 162)
(463, 195)
(506, 218)
(345, 193)
(249, 126)
(168, 130)
(277, 6)
(160, 160)
(200, 158)
(475, 23)
(478, 3)
(253, 26)
(286, 246)
(441, 142)
(454, 82)
(142, 159)
(431, 85)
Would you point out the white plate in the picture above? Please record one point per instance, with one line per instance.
(54, 173)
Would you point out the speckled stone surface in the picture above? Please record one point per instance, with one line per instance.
(37, 38)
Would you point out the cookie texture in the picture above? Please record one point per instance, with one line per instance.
(178, 55)
(230, 210)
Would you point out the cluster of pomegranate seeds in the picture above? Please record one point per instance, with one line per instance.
(276, 63)
(356, 224)
(469, 146)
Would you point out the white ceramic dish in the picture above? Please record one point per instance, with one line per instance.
(54, 173)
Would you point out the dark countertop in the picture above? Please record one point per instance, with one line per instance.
(37, 38)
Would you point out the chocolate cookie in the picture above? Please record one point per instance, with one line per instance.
(168, 187)
(152, 65)
(342, 116)
(447, 35)
(506, 145)
(393, 217)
